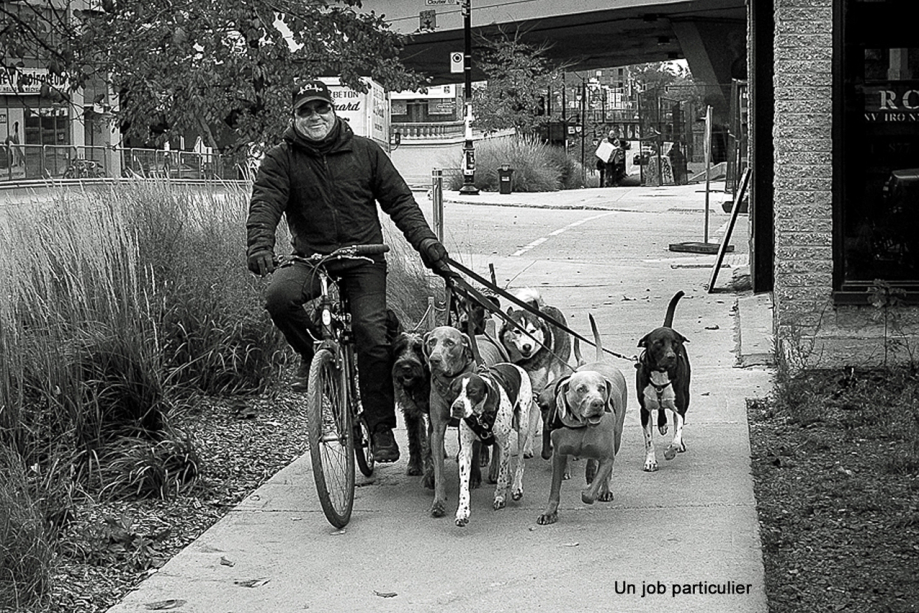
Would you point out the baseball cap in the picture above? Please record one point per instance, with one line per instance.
(309, 91)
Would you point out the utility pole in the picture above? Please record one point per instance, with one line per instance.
(583, 124)
(468, 150)
(564, 113)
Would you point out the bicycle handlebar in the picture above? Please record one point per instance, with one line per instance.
(362, 250)
(351, 251)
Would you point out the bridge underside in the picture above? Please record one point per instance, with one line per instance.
(709, 34)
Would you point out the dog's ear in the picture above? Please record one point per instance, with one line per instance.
(644, 341)
(561, 400)
(609, 395)
(467, 346)
(424, 344)
(492, 396)
(680, 337)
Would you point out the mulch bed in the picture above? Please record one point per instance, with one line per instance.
(111, 547)
(838, 502)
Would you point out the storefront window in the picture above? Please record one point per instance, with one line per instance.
(878, 140)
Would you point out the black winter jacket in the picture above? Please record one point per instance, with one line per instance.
(330, 198)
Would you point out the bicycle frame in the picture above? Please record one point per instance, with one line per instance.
(338, 341)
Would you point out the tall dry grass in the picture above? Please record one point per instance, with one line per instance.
(115, 307)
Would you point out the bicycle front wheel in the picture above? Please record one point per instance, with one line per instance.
(331, 438)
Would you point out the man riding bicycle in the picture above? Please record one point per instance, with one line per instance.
(327, 181)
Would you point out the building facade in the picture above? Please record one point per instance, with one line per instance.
(845, 186)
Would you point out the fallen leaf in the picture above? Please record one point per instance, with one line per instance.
(225, 562)
(164, 605)
(253, 582)
(385, 594)
(570, 544)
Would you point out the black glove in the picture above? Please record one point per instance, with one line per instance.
(261, 263)
(434, 255)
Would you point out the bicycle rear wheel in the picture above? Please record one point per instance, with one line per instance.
(331, 437)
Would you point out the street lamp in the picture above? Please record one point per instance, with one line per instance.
(468, 150)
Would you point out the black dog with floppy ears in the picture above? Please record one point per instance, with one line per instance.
(663, 383)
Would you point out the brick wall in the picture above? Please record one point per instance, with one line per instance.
(811, 330)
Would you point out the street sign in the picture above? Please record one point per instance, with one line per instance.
(428, 20)
(456, 61)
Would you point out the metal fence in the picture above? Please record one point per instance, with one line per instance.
(44, 162)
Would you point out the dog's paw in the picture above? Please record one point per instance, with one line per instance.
(547, 518)
(475, 480)
(650, 466)
(414, 469)
(527, 455)
(517, 494)
(461, 522)
(586, 497)
(662, 430)
(605, 497)
(500, 503)
(438, 509)
(670, 452)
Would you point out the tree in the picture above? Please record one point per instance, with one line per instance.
(669, 80)
(223, 69)
(517, 80)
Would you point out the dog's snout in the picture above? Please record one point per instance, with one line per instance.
(458, 410)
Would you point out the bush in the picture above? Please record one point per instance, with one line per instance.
(537, 167)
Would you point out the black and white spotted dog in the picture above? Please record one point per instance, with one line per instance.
(412, 385)
(491, 404)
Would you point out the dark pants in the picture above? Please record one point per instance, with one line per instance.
(365, 285)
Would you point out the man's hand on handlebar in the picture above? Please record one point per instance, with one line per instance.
(261, 263)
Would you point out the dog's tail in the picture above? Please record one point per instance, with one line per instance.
(597, 342)
(577, 352)
(671, 309)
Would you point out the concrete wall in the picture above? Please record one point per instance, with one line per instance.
(811, 330)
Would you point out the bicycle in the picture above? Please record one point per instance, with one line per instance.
(337, 430)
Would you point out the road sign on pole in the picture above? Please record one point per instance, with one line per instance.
(456, 61)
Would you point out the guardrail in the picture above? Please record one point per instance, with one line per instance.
(434, 131)
(43, 162)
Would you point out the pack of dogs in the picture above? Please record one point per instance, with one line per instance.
(499, 384)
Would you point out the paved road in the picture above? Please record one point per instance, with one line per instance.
(674, 540)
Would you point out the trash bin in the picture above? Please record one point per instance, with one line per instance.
(505, 174)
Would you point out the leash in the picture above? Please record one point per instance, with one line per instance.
(480, 299)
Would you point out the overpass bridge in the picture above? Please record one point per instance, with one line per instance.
(588, 34)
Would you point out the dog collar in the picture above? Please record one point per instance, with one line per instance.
(482, 426)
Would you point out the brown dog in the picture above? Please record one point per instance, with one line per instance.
(662, 382)
(585, 413)
(449, 355)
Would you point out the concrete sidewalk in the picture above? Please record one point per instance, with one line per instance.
(682, 539)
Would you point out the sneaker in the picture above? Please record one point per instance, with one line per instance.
(302, 378)
(384, 447)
